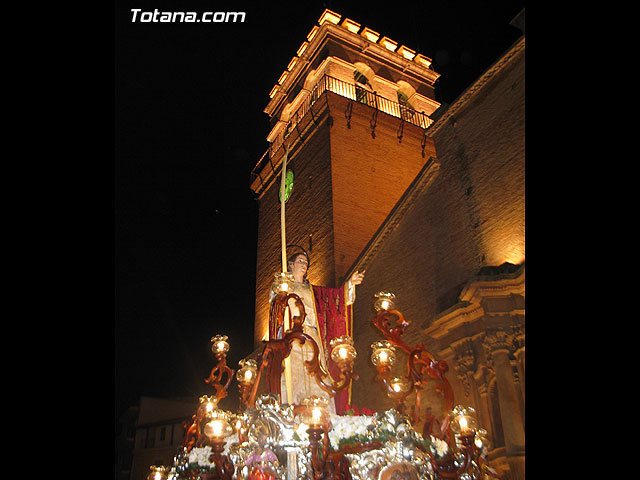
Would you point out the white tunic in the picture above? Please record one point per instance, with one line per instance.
(303, 384)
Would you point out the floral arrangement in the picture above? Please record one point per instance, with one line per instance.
(352, 410)
(365, 426)
(349, 429)
(199, 457)
(359, 426)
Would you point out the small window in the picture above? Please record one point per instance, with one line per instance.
(151, 437)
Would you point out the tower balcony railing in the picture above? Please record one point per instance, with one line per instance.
(352, 91)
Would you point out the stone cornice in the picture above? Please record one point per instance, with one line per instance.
(470, 307)
(482, 287)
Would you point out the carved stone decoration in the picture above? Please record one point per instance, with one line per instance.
(498, 344)
(518, 333)
(497, 339)
(465, 362)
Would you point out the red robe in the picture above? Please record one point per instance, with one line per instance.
(334, 319)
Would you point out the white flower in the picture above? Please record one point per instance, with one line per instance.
(440, 446)
(347, 426)
(200, 456)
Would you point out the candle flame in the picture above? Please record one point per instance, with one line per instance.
(463, 423)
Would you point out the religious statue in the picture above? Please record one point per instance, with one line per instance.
(328, 315)
(262, 461)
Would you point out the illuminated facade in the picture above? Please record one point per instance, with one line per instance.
(433, 210)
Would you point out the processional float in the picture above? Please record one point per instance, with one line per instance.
(309, 442)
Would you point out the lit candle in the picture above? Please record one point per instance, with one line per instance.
(383, 353)
(214, 429)
(315, 412)
(399, 384)
(283, 282)
(463, 420)
(384, 301)
(342, 350)
(464, 426)
(247, 371)
(217, 429)
(219, 344)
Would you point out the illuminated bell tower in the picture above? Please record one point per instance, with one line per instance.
(352, 108)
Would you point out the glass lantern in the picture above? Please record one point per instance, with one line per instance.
(248, 371)
(157, 473)
(383, 353)
(218, 427)
(399, 385)
(207, 405)
(219, 344)
(463, 420)
(282, 283)
(315, 413)
(342, 349)
(384, 301)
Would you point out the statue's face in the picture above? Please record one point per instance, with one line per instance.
(299, 266)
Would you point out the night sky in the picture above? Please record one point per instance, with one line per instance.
(189, 127)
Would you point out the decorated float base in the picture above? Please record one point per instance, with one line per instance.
(383, 446)
(273, 441)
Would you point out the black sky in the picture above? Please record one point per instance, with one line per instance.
(189, 126)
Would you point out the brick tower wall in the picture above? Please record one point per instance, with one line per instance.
(308, 211)
(369, 175)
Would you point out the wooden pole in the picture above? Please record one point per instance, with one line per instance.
(283, 238)
(283, 232)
